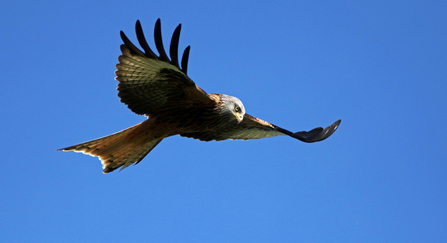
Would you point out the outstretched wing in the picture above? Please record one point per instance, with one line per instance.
(255, 128)
(147, 82)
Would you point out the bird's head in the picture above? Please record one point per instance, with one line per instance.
(233, 107)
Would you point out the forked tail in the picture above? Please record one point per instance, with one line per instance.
(123, 148)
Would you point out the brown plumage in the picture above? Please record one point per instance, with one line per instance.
(156, 86)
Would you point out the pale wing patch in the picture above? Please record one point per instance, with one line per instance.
(255, 133)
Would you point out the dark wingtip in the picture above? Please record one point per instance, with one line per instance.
(142, 40)
(173, 57)
(173, 48)
(129, 44)
(159, 42)
(316, 134)
(185, 60)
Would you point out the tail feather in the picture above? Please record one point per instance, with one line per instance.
(123, 148)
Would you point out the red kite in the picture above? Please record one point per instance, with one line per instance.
(159, 88)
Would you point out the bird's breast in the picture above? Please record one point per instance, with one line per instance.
(192, 119)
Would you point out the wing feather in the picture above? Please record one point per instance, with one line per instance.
(147, 82)
(250, 128)
(173, 48)
(159, 42)
(255, 128)
(142, 40)
(185, 59)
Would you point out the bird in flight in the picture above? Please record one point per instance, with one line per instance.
(158, 87)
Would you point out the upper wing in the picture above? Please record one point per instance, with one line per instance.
(148, 82)
(255, 128)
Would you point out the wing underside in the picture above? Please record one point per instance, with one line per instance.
(148, 82)
(255, 128)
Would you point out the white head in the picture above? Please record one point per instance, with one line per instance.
(233, 107)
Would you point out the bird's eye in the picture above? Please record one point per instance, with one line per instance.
(237, 109)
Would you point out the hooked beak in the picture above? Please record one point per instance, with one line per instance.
(239, 117)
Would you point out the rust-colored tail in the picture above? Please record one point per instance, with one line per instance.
(123, 148)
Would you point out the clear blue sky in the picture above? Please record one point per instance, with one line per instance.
(380, 66)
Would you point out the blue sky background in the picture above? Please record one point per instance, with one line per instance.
(380, 66)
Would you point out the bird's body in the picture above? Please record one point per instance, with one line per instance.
(156, 86)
